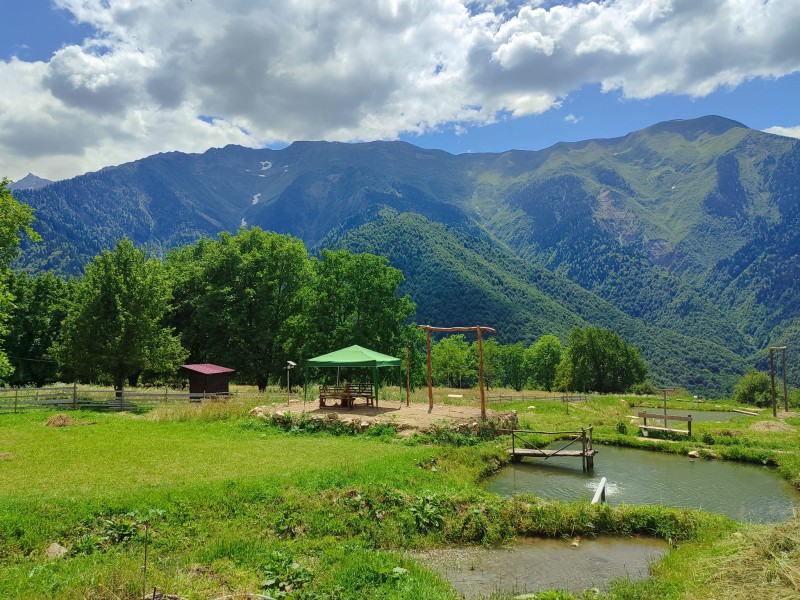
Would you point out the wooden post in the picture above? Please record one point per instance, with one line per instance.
(665, 409)
(513, 445)
(480, 330)
(430, 380)
(480, 374)
(408, 371)
(16, 399)
(785, 390)
(75, 394)
(583, 446)
(772, 382)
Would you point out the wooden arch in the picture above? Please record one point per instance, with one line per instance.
(479, 329)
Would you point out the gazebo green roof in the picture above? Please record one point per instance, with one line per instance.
(354, 356)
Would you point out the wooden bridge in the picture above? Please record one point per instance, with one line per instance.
(579, 445)
(666, 419)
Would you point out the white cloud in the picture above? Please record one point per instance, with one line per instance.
(368, 69)
(570, 118)
(793, 132)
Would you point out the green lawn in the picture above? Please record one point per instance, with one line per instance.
(121, 453)
(229, 503)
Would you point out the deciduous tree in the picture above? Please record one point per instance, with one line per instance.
(115, 328)
(40, 305)
(541, 362)
(239, 300)
(353, 299)
(599, 360)
(15, 222)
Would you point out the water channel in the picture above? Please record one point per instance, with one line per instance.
(741, 491)
(532, 564)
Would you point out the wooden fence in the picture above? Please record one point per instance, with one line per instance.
(500, 398)
(74, 398)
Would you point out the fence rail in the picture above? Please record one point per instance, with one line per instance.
(73, 398)
(523, 398)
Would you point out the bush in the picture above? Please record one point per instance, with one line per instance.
(644, 388)
(753, 388)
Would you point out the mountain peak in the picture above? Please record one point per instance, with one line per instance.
(30, 182)
(691, 129)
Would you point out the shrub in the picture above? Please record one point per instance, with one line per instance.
(645, 388)
(753, 388)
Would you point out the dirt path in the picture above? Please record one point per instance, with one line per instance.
(414, 417)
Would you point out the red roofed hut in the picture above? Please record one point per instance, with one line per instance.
(208, 379)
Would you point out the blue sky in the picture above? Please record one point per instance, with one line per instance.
(90, 83)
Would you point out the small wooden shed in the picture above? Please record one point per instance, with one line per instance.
(208, 379)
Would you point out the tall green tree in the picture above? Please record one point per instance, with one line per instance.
(514, 365)
(353, 299)
(541, 362)
(493, 355)
(115, 328)
(15, 222)
(452, 363)
(599, 360)
(239, 301)
(40, 305)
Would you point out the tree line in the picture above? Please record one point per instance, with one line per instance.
(253, 301)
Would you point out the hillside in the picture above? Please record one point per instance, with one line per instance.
(685, 231)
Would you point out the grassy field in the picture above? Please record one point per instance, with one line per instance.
(229, 504)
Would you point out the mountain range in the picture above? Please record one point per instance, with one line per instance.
(683, 237)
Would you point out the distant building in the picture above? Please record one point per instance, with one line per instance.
(208, 379)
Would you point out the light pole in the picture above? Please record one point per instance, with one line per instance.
(289, 366)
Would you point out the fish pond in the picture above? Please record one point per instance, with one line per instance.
(743, 492)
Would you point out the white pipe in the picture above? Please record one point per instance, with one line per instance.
(600, 493)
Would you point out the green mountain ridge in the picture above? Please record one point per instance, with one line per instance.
(685, 233)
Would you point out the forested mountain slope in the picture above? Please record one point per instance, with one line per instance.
(687, 228)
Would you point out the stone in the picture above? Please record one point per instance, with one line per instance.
(55, 550)
(693, 454)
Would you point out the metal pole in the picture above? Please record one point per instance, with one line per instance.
(287, 386)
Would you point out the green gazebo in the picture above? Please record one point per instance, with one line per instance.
(355, 356)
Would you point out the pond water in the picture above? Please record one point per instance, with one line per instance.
(533, 564)
(741, 491)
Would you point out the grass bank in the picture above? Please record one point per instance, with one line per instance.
(227, 503)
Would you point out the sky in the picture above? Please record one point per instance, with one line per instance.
(93, 83)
